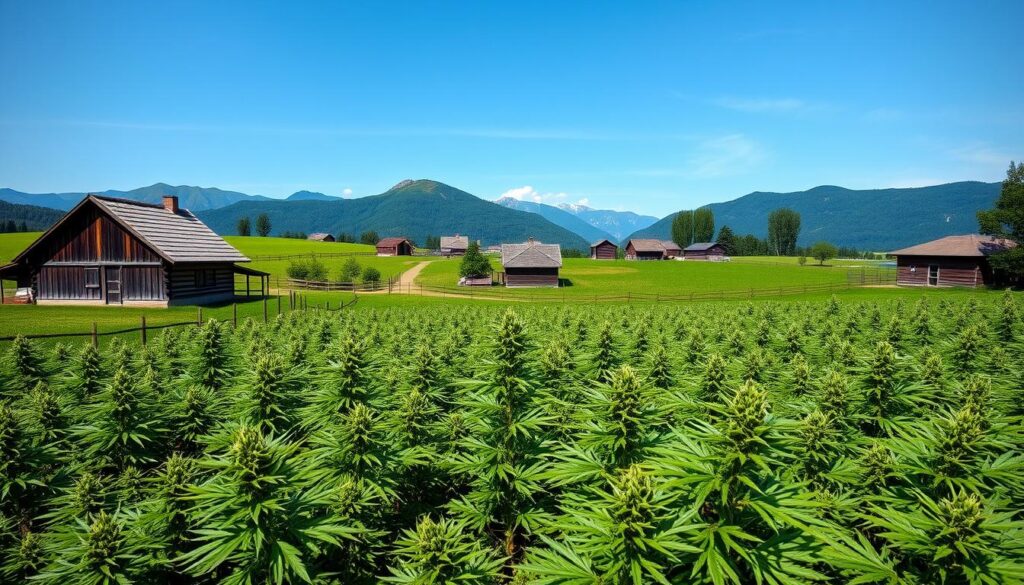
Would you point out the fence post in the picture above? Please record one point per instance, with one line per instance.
(199, 316)
(143, 330)
(264, 309)
(278, 301)
(95, 336)
(234, 315)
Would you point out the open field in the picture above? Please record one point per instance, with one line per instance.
(830, 440)
(587, 277)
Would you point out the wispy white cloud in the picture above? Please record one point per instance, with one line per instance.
(733, 154)
(528, 193)
(346, 191)
(983, 155)
(761, 104)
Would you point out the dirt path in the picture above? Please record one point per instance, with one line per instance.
(407, 278)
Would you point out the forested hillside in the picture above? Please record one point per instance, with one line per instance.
(415, 209)
(874, 219)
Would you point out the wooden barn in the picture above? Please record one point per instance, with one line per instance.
(949, 261)
(320, 237)
(116, 252)
(650, 249)
(704, 251)
(454, 245)
(603, 250)
(531, 264)
(394, 247)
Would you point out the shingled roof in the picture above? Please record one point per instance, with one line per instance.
(700, 246)
(531, 255)
(647, 245)
(392, 242)
(457, 242)
(970, 245)
(174, 236)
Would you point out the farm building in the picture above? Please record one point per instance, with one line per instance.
(394, 247)
(320, 237)
(115, 251)
(531, 264)
(704, 251)
(647, 249)
(949, 261)
(603, 250)
(454, 245)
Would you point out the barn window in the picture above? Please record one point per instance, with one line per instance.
(92, 277)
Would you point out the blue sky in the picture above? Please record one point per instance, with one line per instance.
(647, 106)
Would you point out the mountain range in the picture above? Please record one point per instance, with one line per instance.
(415, 209)
(870, 219)
(592, 224)
(873, 219)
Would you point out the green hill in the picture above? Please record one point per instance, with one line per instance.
(415, 209)
(191, 198)
(873, 219)
(34, 217)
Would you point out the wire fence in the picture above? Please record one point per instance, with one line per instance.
(296, 302)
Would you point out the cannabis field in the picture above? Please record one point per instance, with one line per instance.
(841, 442)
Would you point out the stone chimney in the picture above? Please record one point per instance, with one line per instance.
(171, 203)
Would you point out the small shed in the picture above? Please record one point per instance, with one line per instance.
(650, 249)
(531, 264)
(603, 250)
(454, 245)
(394, 247)
(320, 237)
(109, 251)
(950, 261)
(704, 251)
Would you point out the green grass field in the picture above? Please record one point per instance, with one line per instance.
(588, 278)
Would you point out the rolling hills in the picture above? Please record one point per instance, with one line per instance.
(591, 224)
(415, 209)
(34, 217)
(872, 219)
(192, 198)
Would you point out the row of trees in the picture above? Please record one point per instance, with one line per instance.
(313, 269)
(10, 227)
(698, 225)
(263, 225)
(693, 226)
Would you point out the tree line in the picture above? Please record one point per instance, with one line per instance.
(698, 226)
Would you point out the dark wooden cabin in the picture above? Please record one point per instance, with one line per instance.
(949, 261)
(115, 251)
(704, 251)
(320, 237)
(394, 247)
(531, 264)
(650, 249)
(603, 250)
(454, 245)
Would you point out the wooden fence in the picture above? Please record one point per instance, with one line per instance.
(325, 286)
(296, 302)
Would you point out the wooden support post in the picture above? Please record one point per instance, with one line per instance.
(95, 336)
(143, 330)
(278, 302)
(2, 299)
(246, 285)
(199, 316)
(234, 315)
(264, 309)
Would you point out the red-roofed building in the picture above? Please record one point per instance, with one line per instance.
(394, 247)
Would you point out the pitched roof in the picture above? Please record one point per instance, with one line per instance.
(319, 236)
(179, 237)
(455, 241)
(531, 255)
(174, 236)
(700, 246)
(599, 242)
(392, 242)
(973, 245)
(670, 245)
(647, 245)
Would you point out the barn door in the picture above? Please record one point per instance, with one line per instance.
(113, 284)
(933, 275)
